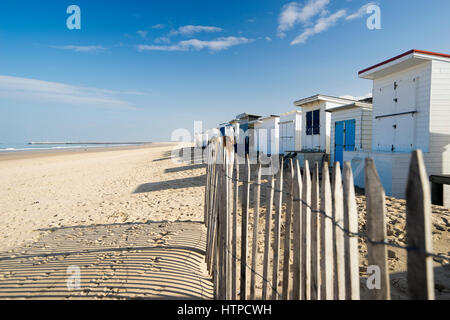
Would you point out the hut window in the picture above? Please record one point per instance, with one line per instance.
(316, 122)
(313, 122)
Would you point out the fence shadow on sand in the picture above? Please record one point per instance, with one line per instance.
(153, 260)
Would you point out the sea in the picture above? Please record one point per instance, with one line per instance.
(12, 147)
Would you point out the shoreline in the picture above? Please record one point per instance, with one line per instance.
(38, 153)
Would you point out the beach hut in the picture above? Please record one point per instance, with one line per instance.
(290, 131)
(316, 125)
(226, 129)
(245, 122)
(266, 134)
(351, 129)
(411, 110)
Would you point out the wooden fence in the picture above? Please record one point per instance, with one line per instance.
(310, 230)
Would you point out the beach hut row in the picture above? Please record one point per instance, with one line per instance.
(409, 109)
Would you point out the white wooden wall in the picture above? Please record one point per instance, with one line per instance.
(413, 94)
(437, 161)
(267, 136)
(318, 142)
(392, 169)
(439, 120)
(290, 131)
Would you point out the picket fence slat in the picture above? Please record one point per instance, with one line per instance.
(306, 235)
(234, 231)
(418, 227)
(277, 229)
(221, 226)
(228, 199)
(338, 234)
(244, 229)
(255, 230)
(267, 236)
(351, 243)
(287, 234)
(315, 235)
(376, 230)
(297, 218)
(326, 237)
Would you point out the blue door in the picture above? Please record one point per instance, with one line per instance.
(344, 139)
(350, 135)
(339, 141)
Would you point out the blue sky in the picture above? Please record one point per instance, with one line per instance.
(137, 70)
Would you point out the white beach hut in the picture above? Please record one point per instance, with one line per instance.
(266, 134)
(316, 125)
(411, 110)
(290, 131)
(351, 129)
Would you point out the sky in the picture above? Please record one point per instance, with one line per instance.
(138, 70)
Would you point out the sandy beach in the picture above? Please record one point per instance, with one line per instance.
(117, 213)
(131, 220)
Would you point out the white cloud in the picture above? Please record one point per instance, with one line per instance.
(190, 30)
(80, 48)
(360, 13)
(158, 26)
(142, 33)
(196, 44)
(162, 40)
(321, 25)
(292, 14)
(268, 38)
(53, 92)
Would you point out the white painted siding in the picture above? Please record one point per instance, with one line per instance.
(392, 169)
(363, 128)
(290, 131)
(267, 135)
(437, 160)
(314, 142)
(366, 129)
(413, 94)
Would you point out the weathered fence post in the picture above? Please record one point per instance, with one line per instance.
(207, 207)
(418, 227)
(306, 235)
(326, 237)
(234, 231)
(277, 229)
(255, 230)
(228, 186)
(287, 231)
(297, 213)
(351, 242)
(216, 229)
(208, 173)
(267, 234)
(221, 224)
(315, 235)
(338, 234)
(244, 230)
(376, 230)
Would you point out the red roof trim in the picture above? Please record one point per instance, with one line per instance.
(403, 55)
